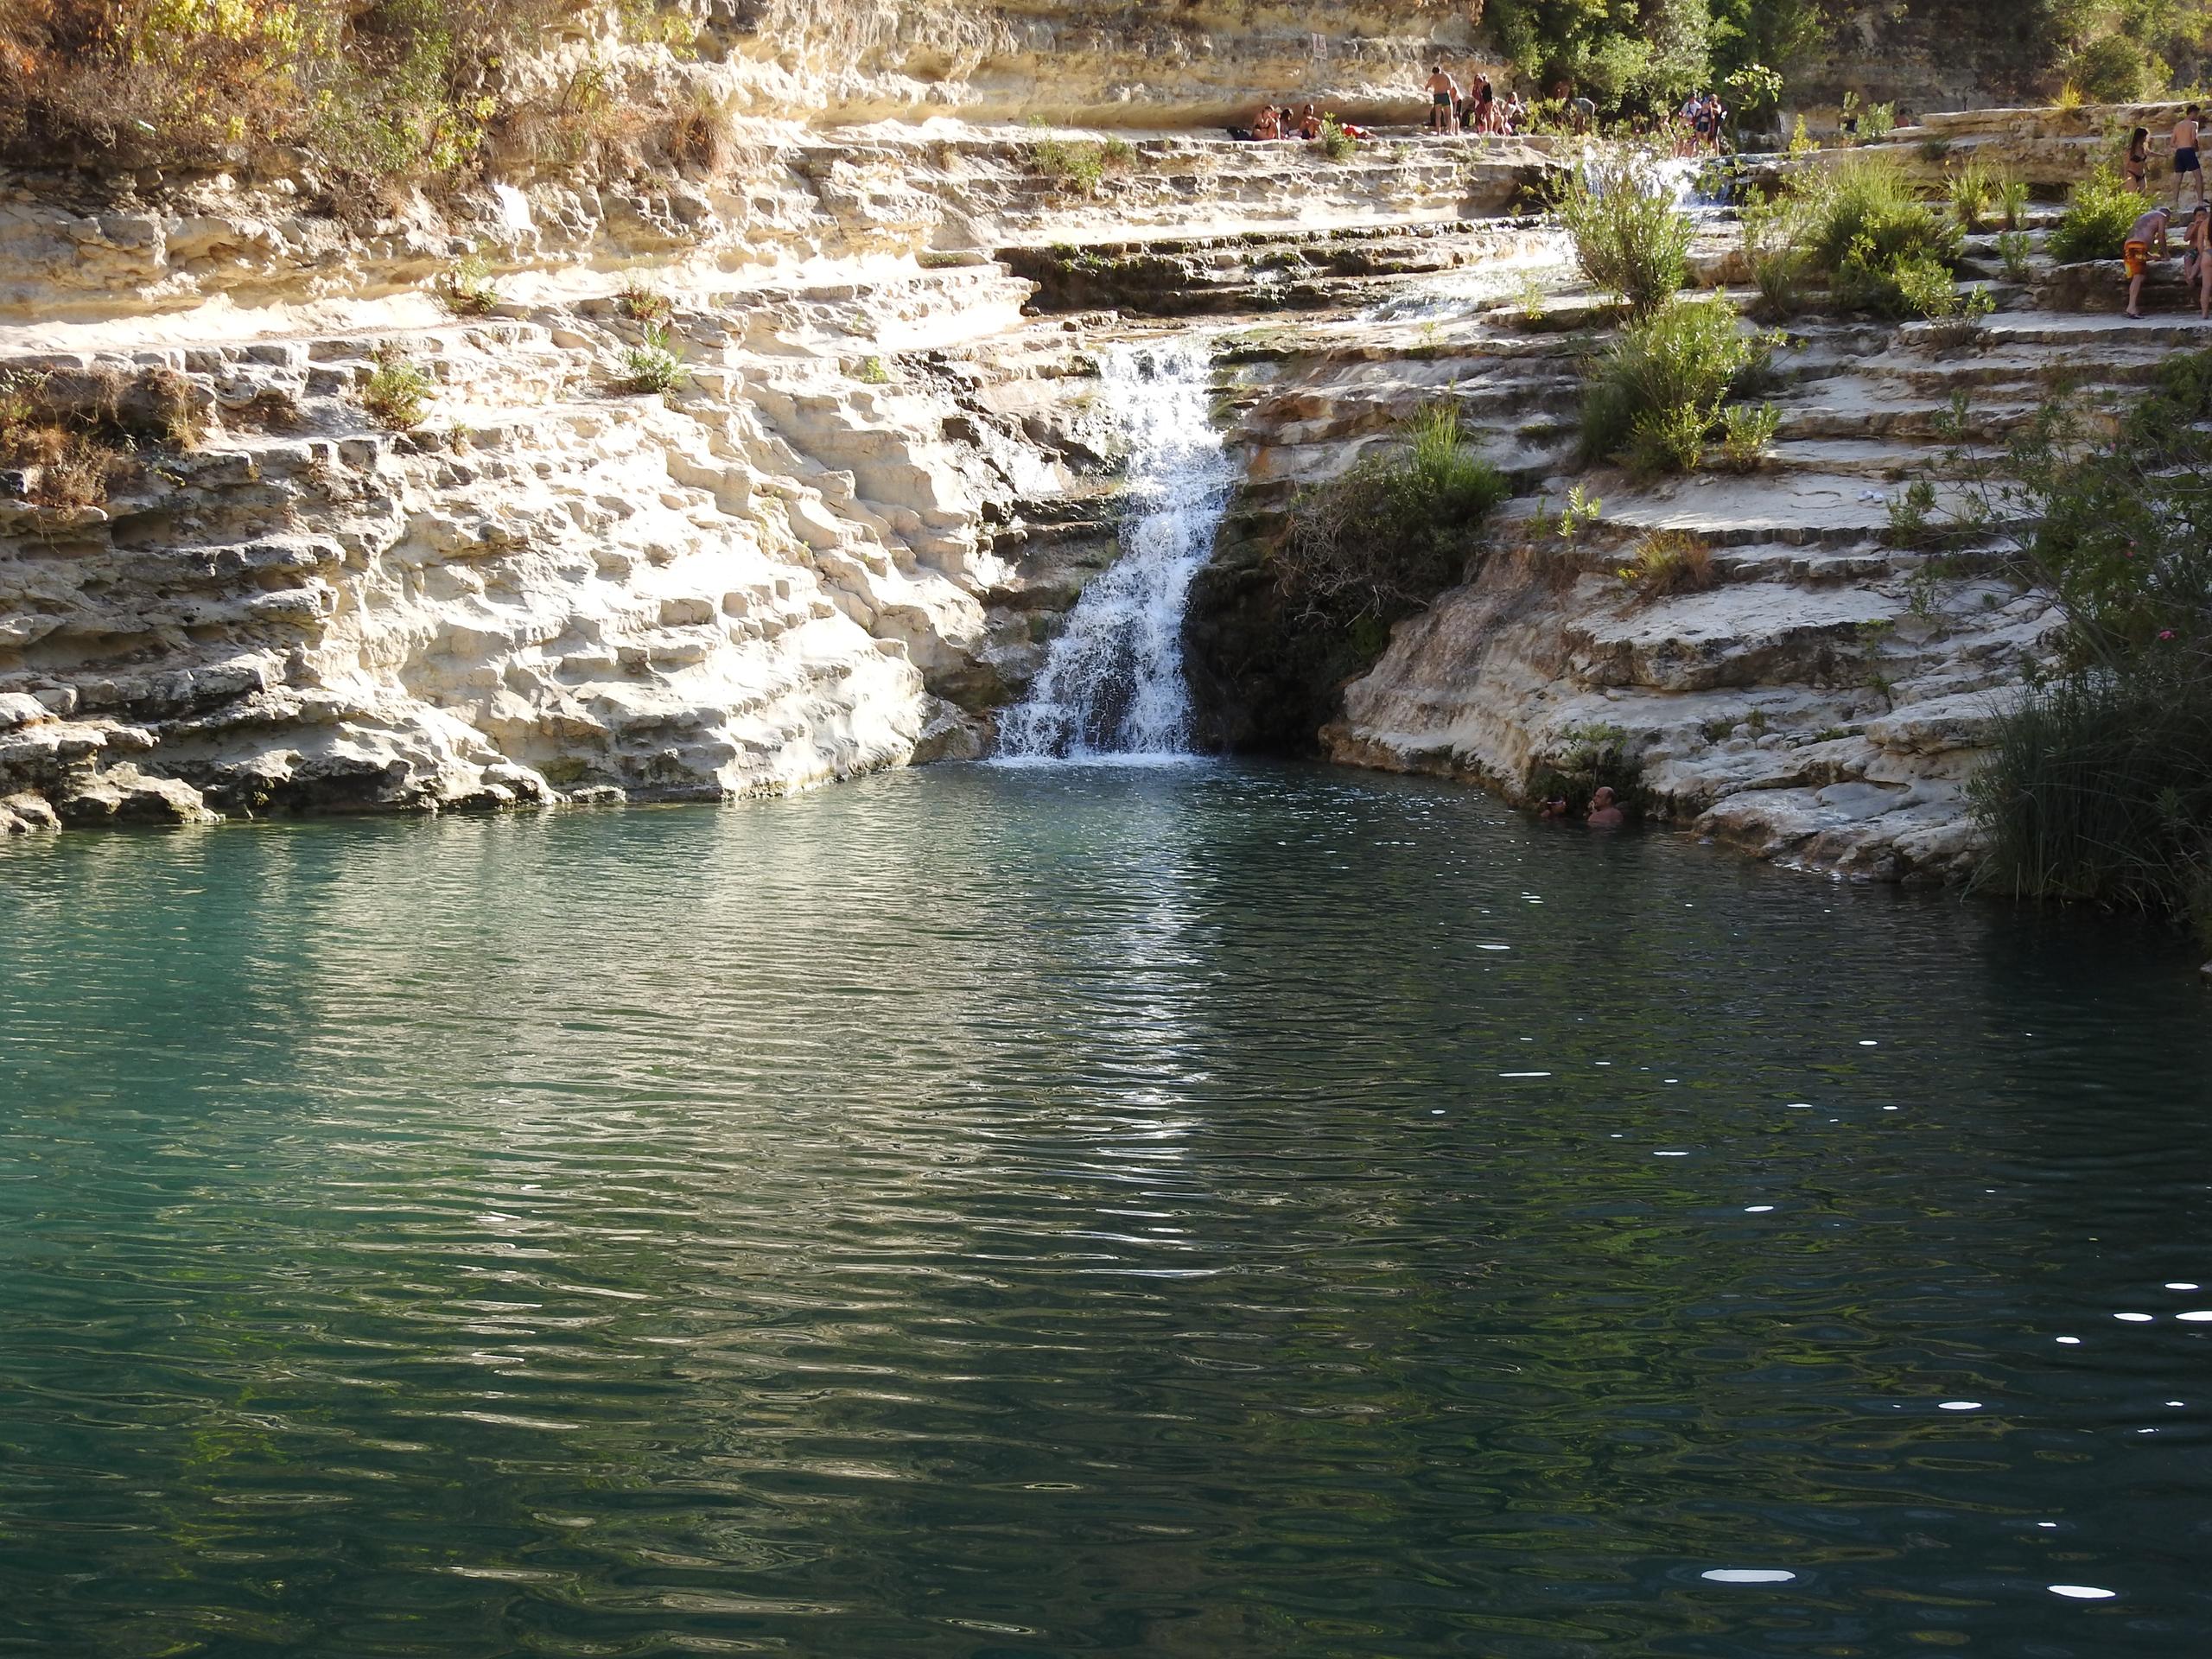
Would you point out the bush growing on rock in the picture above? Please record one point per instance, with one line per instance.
(1863, 221)
(1656, 396)
(1393, 532)
(1628, 236)
(2100, 782)
(1669, 562)
(1081, 164)
(1773, 234)
(396, 393)
(653, 364)
(2098, 213)
(467, 287)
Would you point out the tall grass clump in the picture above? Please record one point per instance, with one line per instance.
(1628, 236)
(1973, 192)
(1655, 398)
(1081, 164)
(398, 392)
(1392, 533)
(1773, 239)
(2098, 785)
(1862, 219)
(655, 365)
(2099, 211)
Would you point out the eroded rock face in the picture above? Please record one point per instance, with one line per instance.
(1823, 696)
(554, 589)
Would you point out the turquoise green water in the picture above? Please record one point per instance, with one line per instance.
(1188, 1210)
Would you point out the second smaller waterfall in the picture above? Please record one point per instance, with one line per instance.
(1112, 682)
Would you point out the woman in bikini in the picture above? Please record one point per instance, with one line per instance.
(2136, 169)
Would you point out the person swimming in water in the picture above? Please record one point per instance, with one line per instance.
(1605, 809)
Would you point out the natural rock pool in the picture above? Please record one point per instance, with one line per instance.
(1190, 1210)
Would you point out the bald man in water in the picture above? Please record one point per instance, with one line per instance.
(1604, 810)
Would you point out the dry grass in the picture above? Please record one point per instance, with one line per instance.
(396, 88)
(1669, 562)
(77, 433)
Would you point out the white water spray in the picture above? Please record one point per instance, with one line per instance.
(1112, 683)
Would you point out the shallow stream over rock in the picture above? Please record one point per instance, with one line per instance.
(1192, 1209)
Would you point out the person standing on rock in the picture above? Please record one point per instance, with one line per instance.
(2135, 171)
(1443, 100)
(2186, 164)
(2196, 260)
(2146, 240)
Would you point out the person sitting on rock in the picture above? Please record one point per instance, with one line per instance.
(1443, 100)
(1267, 123)
(1309, 123)
(1605, 809)
(2146, 240)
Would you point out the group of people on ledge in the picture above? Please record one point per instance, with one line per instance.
(1285, 123)
(1475, 108)
(2147, 237)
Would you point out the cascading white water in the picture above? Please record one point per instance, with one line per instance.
(1112, 683)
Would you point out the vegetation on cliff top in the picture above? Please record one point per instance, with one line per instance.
(384, 88)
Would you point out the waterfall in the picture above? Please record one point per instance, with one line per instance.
(1112, 683)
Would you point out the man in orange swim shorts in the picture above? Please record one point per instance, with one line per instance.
(2145, 237)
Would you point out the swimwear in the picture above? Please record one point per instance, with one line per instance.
(2185, 161)
(2135, 256)
(1443, 100)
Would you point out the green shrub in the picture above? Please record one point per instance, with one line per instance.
(1972, 190)
(1335, 144)
(1861, 218)
(1656, 394)
(654, 363)
(1878, 122)
(1629, 237)
(2098, 213)
(1747, 433)
(467, 287)
(2012, 203)
(1772, 234)
(874, 372)
(1393, 532)
(1081, 164)
(2114, 69)
(396, 392)
(2100, 784)
(2012, 252)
